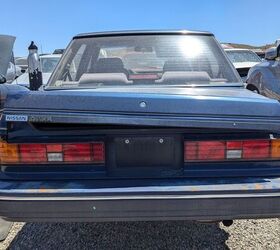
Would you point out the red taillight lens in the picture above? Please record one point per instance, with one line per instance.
(33, 153)
(230, 150)
(77, 152)
(234, 145)
(52, 153)
(211, 150)
(98, 152)
(55, 148)
(191, 151)
(257, 149)
(204, 150)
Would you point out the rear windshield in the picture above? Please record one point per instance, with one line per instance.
(243, 56)
(150, 60)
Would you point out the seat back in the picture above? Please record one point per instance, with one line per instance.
(110, 65)
(177, 65)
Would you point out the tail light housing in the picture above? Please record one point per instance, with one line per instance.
(87, 153)
(232, 150)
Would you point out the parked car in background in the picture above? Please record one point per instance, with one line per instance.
(260, 53)
(58, 51)
(243, 60)
(13, 72)
(21, 62)
(177, 136)
(264, 78)
(226, 46)
(48, 64)
(6, 46)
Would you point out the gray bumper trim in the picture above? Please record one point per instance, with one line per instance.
(38, 202)
(126, 209)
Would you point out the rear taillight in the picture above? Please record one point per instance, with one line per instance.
(52, 153)
(77, 152)
(257, 149)
(220, 150)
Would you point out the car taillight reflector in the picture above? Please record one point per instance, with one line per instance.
(54, 148)
(257, 149)
(232, 150)
(211, 150)
(33, 153)
(52, 153)
(98, 152)
(77, 152)
(191, 150)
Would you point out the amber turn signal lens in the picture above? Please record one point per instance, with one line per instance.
(9, 153)
(275, 149)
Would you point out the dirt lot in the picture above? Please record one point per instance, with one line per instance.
(246, 234)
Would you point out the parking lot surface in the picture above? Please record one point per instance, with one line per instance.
(243, 234)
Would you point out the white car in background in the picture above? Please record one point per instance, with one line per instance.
(243, 60)
(48, 64)
(21, 62)
(13, 72)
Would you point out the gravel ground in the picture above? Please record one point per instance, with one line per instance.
(243, 234)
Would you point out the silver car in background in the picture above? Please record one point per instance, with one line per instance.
(264, 78)
(243, 60)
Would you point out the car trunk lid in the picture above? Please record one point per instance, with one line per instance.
(168, 107)
(6, 47)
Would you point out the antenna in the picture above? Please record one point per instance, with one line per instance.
(14, 62)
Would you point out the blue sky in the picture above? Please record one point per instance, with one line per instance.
(52, 23)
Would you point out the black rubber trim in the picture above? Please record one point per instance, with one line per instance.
(142, 33)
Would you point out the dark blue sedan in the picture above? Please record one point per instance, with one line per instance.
(148, 125)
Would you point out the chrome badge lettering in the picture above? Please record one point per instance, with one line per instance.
(16, 118)
(41, 119)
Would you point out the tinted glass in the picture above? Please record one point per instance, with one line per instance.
(243, 56)
(48, 64)
(143, 60)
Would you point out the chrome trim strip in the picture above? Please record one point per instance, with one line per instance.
(260, 123)
(257, 185)
(141, 197)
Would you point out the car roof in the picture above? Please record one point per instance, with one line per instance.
(51, 56)
(236, 49)
(142, 32)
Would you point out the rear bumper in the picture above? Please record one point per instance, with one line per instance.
(187, 200)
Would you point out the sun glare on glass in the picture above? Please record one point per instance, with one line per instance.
(191, 47)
